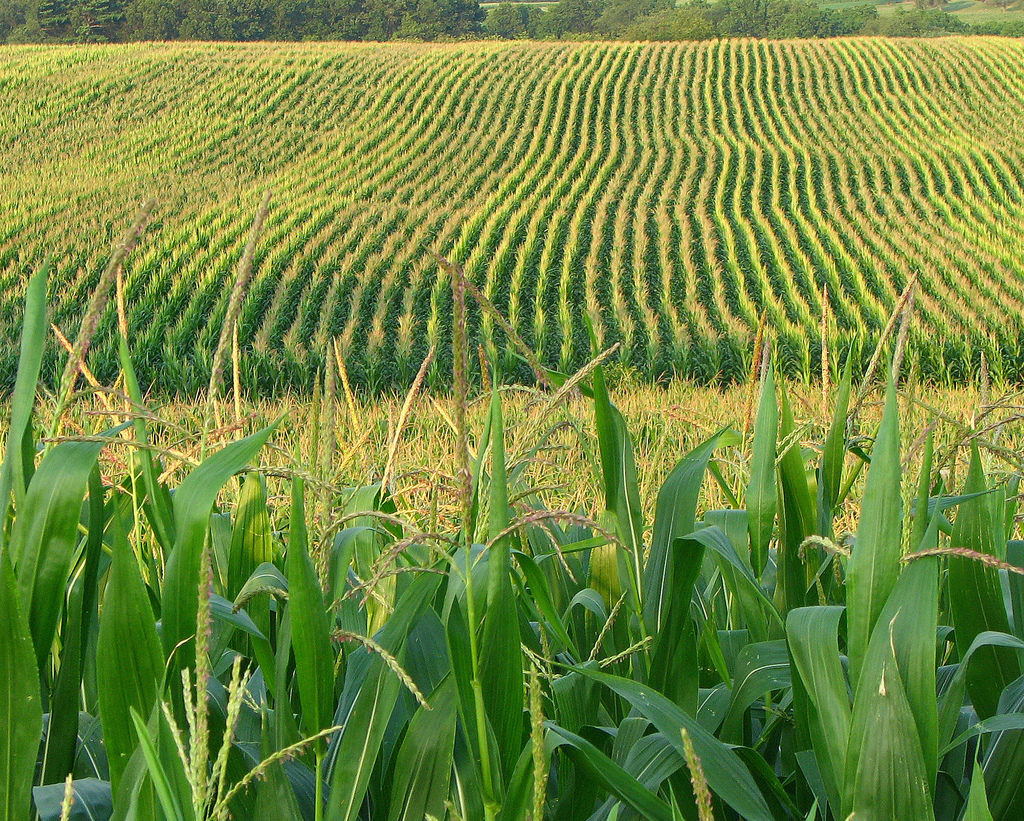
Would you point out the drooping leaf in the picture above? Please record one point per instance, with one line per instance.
(92, 801)
(727, 777)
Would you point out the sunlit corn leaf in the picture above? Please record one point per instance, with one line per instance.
(976, 596)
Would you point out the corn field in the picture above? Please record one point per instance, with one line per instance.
(672, 196)
(191, 647)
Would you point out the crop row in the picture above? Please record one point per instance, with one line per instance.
(672, 195)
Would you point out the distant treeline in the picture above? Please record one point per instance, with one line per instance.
(701, 20)
(38, 21)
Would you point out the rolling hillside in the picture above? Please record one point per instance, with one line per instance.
(674, 194)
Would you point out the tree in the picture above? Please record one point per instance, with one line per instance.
(509, 21)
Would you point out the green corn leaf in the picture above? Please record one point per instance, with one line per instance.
(674, 517)
(92, 801)
(874, 564)
(834, 454)
(501, 659)
(264, 579)
(622, 494)
(424, 764)
(611, 776)
(193, 502)
(759, 668)
(902, 646)
(166, 794)
(761, 497)
(159, 507)
(310, 625)
(540, 595)
(251, 541)
(129, 661)
(798, 518)
(16, 469)
(977, 808)
(45, 535)
(952, 698)
(1003, 759)
(21, 714)
(62, 731)
(885, 770)
(976, 597)
(727, 776)
(359, 744)
(813, 636)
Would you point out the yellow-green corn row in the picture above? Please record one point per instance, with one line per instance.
(672, 193)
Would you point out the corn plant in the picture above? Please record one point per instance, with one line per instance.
(192, 648)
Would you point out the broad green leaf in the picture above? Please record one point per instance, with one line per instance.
(359, 744)
(727, 777)
(92, 801)
(264, 579)
(885, 770)
(977, 802)
(674, 516)
(759, 668)
(21, 714)
(874, 564)
(622, 494)
(798, 519)
(62, 731)
(129, 661)
(762, 497)
(424, 764)
(45, 535)
(310, 624)
(193, 501)
(611, 776)
(501, 659)
(251, 541)
(16, 469)
(1003, 759)
(813, 636)
(976, 597)
(834, 454)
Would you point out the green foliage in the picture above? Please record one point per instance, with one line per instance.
(494, 676)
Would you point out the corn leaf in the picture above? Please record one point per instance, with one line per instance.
(976, 597)
(310, 625)
(727, 776)
(21, 714)
(874, 564)
(45, 535)
(17, 469)
(423, 766)
(130, 664)
(813, 636)
(193, 503)
(501, 659)
(762, 497)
